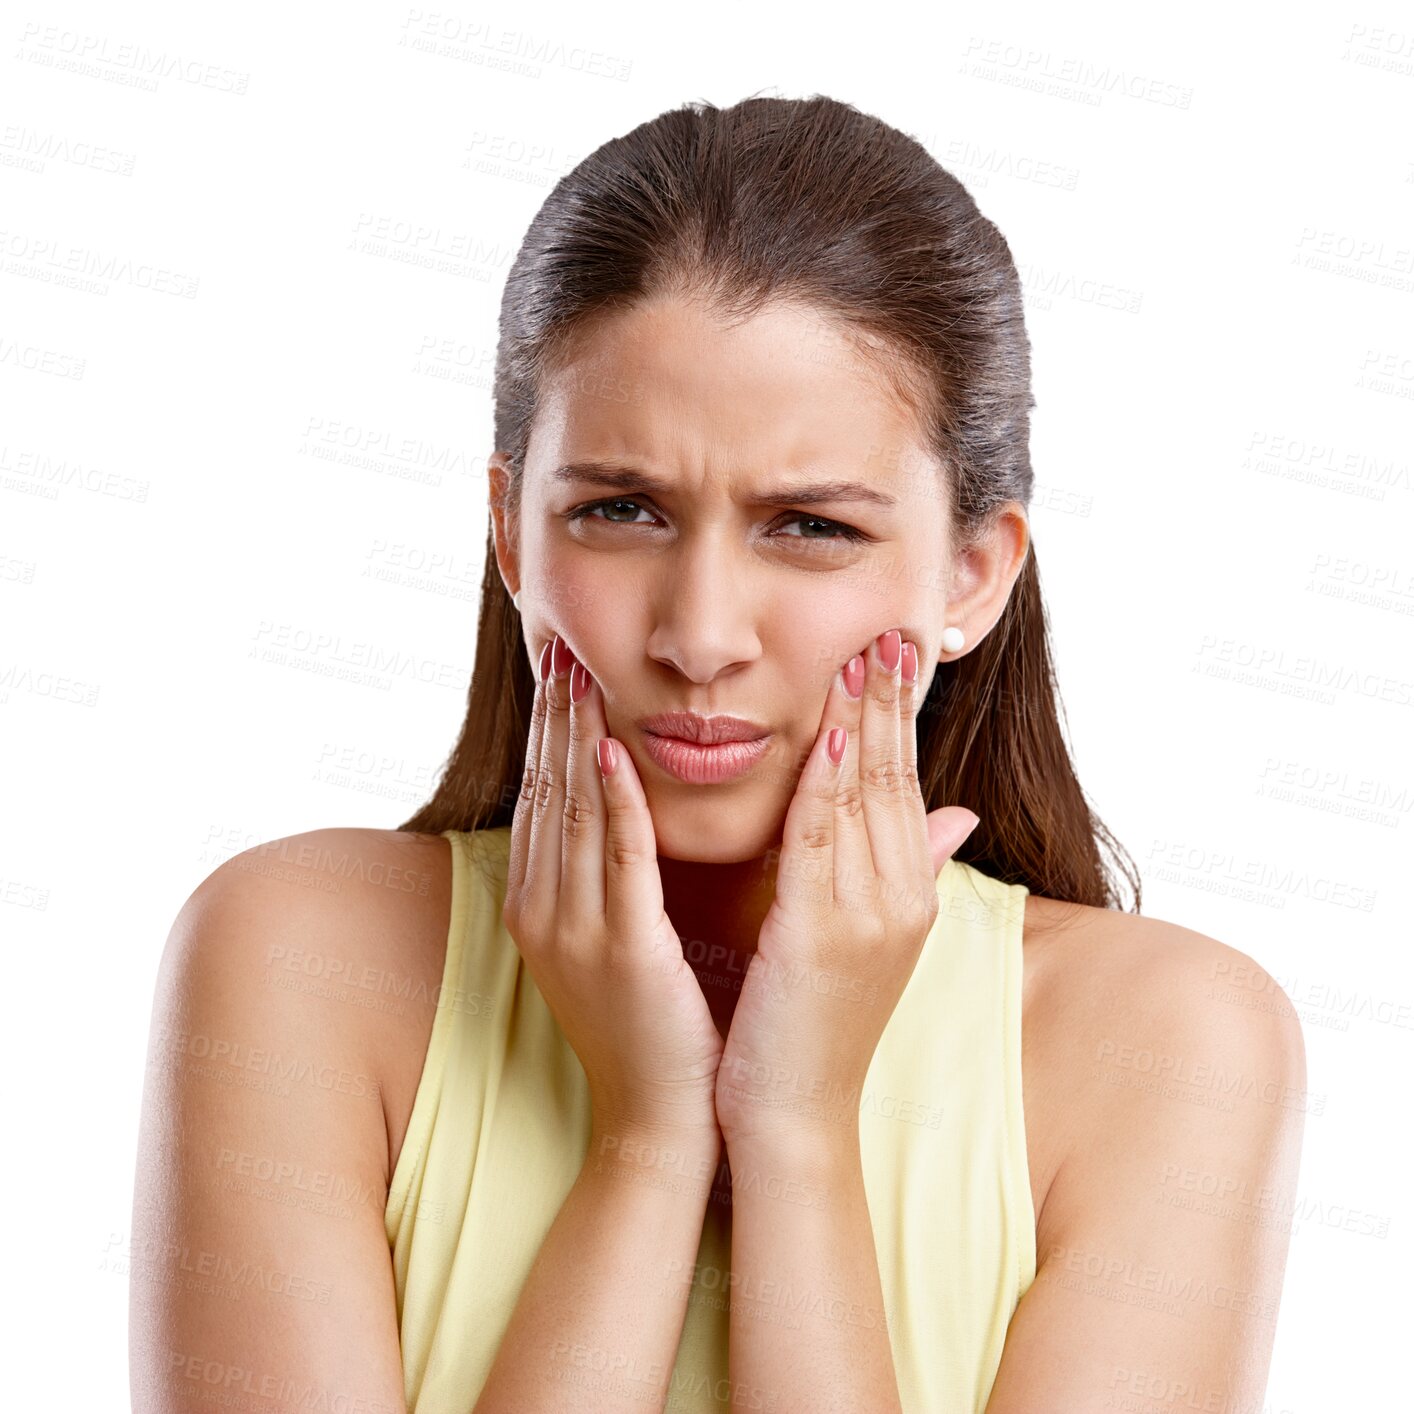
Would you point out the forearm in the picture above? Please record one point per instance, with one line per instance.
(807, 1316)
(601, 1313)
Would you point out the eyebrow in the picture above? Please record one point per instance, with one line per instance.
(805, 493)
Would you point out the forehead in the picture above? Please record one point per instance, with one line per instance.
(670, 383)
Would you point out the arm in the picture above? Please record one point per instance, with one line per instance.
(601, 1313)
(259, 1264)
(808, 1329)
(1163, 1240)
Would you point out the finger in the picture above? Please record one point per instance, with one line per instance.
(805, 874)
(914, 688)
(633, 887)
(854, 862)
(542, 870)
(585, 826)
(521, 824)
(880, 770)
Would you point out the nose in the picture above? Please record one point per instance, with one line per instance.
(704, 610)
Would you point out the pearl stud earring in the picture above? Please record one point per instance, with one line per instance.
(952, 639)
(515, 599)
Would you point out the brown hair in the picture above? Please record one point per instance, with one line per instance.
(812, 201)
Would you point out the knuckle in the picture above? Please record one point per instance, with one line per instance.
(544, 790)
(885, 691)
(579, 813)
(815, 838)
(884, 775)
(849, 799)
(623, 853)
(874, 927)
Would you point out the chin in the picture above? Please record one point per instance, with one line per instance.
(712, 829)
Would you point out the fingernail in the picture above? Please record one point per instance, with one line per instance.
(579, 681)
(835, 745)
(889, 649)
(910, 662)
(607, 758)
(562, 658)
(545, 663)
(854, 677)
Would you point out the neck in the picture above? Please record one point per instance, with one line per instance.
(717, 910)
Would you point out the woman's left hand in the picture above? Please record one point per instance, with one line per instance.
(856, 896)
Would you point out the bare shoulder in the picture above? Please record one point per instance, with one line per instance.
(1133, 1025)
(289, 981)
(349, 925)
(1165, 1119)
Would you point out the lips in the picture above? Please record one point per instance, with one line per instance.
(702, 731)
(703, 750)
(700, 765)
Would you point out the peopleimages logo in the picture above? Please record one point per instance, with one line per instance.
(1065, 76)
(52, 260)
(98, 56)
(217, 1053)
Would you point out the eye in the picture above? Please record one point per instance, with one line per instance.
(582, 512)
(837, 530)
(840, 529)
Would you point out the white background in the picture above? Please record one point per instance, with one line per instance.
(1211, 213)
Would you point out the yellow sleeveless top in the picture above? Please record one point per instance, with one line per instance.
(500, 1128)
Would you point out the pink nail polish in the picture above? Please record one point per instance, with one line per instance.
(910, 662)
(562, 658)
(889, 650)
(545, 663)
(854, 677)
(579, 682)
(835, 745)
(608, 757)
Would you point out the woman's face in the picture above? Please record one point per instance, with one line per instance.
(723, 592)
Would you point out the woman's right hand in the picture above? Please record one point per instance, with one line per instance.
(584, 904)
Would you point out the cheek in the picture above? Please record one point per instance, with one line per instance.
(598, 625)
(563, 595)
(567, 592)
(825, 628)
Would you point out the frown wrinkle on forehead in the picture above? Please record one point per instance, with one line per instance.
(671, 394)
(618, 476)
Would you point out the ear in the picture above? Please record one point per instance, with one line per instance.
(504, 530)
(983, 572)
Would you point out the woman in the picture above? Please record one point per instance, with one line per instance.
(767, 1032)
